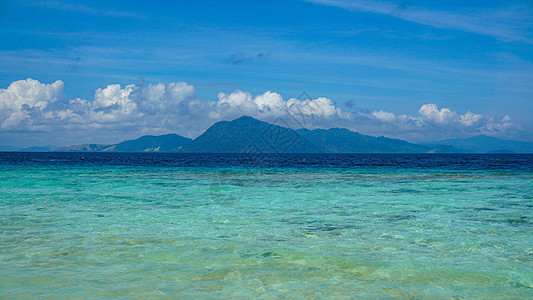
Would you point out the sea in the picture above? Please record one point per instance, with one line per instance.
(231, 226)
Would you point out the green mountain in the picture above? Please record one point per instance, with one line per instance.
(340, 140)
(487, 144)
(147, 143)
(84, 148)
(36, 149)
(247, 134)
(150, 143)
(28, 149)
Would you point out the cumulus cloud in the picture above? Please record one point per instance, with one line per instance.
(431, 113)
(384, 116)
(114, 104)
(470, 119)
(24, 98)
(270, 105)
(117, 112)
(436, 123)
(126, 111)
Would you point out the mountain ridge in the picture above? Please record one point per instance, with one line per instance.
(247, 134)
(487, 144)
(145, 143)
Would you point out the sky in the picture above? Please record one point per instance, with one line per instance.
(76, 72)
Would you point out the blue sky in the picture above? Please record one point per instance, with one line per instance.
(378, 62)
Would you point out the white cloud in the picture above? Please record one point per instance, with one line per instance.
(470, 119)
(431, 113)
(22, 97)
(114, 104)
(238, 100)
(134, 109)
(434, 123)
(118, 112)
(270, 104)
(384, 116)
(320, 107)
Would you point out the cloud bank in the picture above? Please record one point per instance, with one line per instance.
(34, 109)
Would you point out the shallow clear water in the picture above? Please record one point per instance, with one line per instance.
(297, 226)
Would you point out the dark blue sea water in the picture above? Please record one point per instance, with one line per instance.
(406, 161)
(148, 225)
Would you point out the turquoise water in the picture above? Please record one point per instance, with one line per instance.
(217, 232)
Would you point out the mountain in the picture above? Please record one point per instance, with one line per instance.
(28, 149)
(146, 143)
(36, 149)
(248, 134)
(84, 148)
(487, 144)
(150, 143)
(340, 140)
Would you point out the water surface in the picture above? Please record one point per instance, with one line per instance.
(229, 226)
